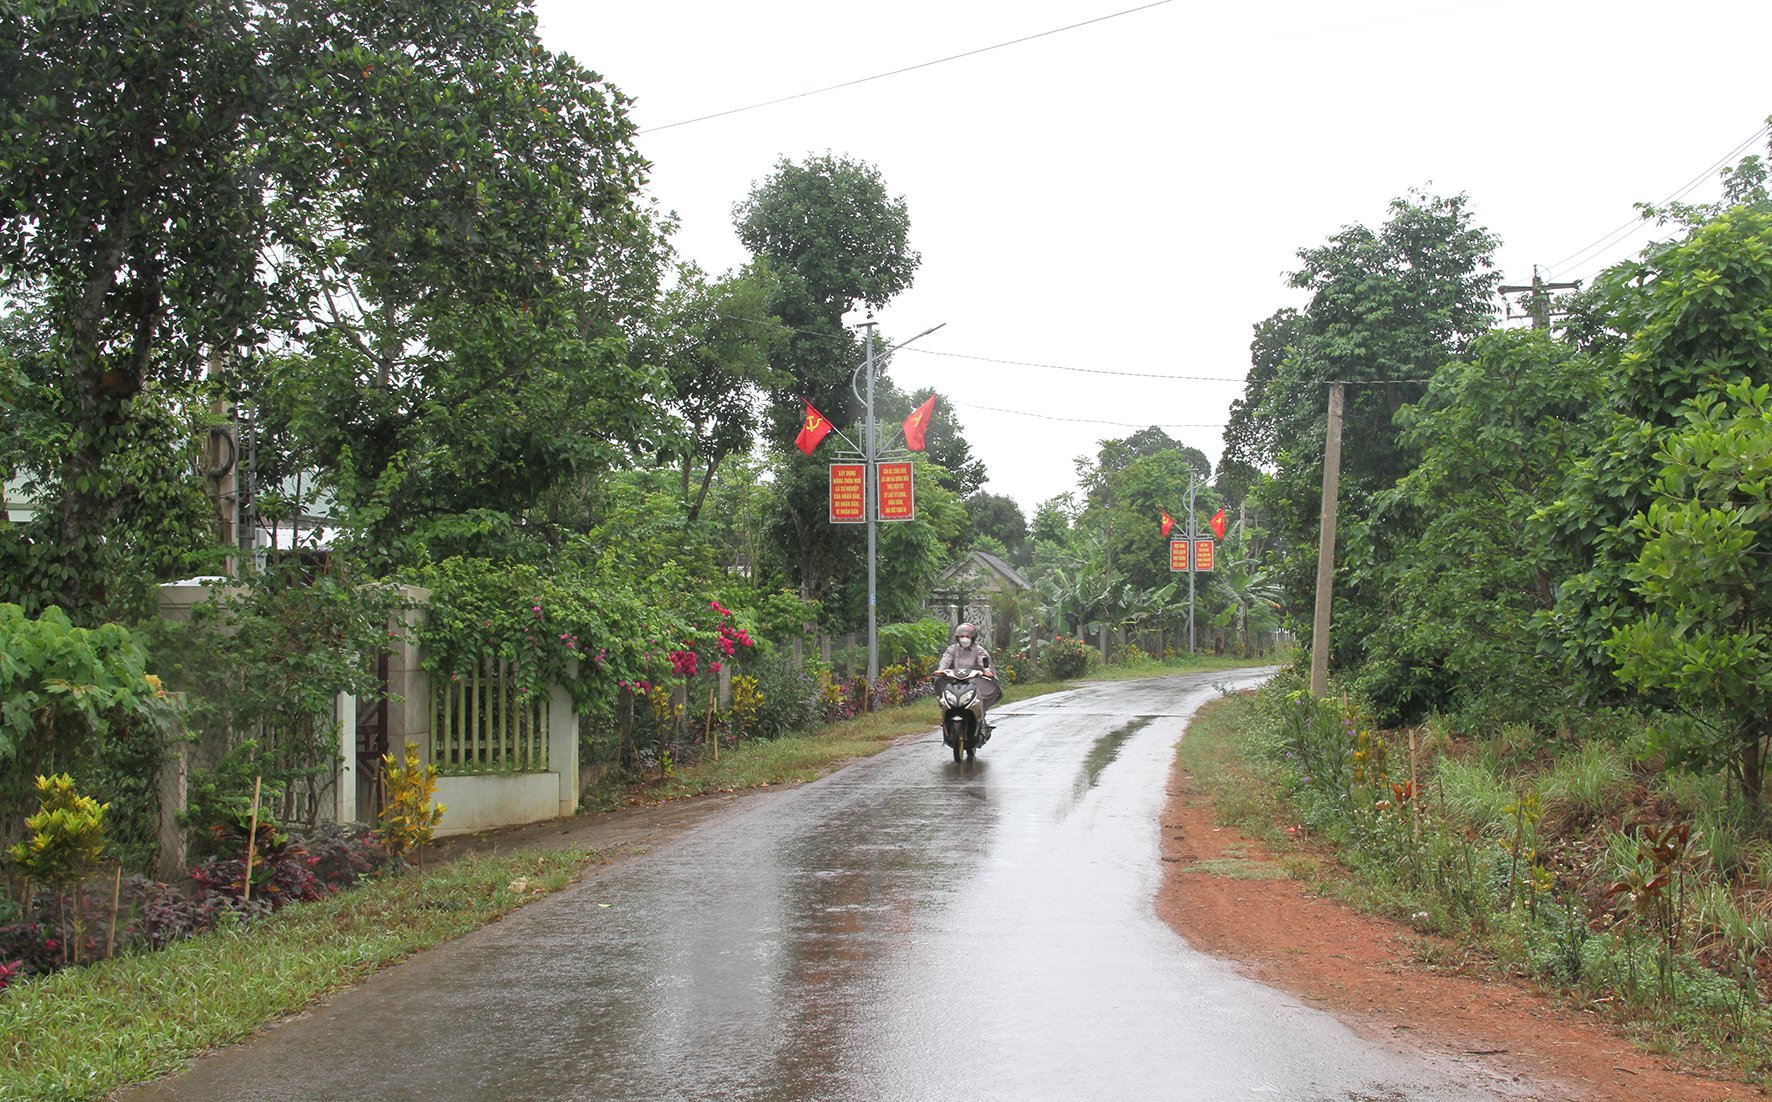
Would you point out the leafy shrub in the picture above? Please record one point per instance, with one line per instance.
(161, 914)
(344, 853)
(791, 698)
(30, 949)
(747, 703)
(918, 639)
(1015, 669)
(1130, 655)
(69, 697)
(1064, 658)
(67, 834)
(282, 869)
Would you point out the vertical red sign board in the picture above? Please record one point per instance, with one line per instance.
(1178, 554)
(1203, 555)
(848, 493)
(897, 499)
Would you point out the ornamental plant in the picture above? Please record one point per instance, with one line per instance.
(410, 814)
(67, 834)
(67, 837)
(747, 701)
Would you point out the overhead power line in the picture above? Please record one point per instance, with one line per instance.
(1084, 370)
(1078, 420)
(905, 69)
(992, 359)
(1045, 34)
(1639, 222)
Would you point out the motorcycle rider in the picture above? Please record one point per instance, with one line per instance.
(965, 653)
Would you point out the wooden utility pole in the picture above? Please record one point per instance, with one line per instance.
(1326, 546)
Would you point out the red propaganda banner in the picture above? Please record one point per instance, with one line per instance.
(897, 501)
(1203, 555)
(1178, 554)
(848, 493)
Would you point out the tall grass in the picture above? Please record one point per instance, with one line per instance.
(1474, 795)
(1588, 781)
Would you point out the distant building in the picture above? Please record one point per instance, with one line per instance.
(966, 591)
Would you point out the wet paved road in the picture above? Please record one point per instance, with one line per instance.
(907, 929)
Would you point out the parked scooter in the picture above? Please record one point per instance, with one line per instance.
(964, 695)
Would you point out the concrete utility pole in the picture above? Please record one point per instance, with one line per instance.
(1326, 546)
(1538, 303)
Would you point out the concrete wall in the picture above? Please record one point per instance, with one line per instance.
(477, 802)
(497, 799)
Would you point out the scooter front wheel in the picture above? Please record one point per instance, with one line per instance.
(958, 751)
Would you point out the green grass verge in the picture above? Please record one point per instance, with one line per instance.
(84, 1032)
(792, 759)
(1222, 768)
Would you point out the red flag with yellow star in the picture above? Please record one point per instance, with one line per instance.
(917, 424)
(812, 431)
(1218, 524)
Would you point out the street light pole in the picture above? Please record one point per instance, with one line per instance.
(870, 458)
(870, 494)
(1192, 481)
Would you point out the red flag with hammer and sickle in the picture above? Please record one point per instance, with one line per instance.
(917, 424)
(812, 431)
(1168, 523)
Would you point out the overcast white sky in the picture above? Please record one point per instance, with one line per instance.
(1127, 196)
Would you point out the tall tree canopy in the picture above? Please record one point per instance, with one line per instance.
(1388, 308)
(835, 238)
(431, 219)
(132, 207)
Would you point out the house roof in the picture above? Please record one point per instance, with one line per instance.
(988, 561)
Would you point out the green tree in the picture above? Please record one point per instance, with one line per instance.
(1704, 641)
(835, 238)
(133, 206)
(1496, 437)
(1000, 518)
(1696, 315)
(1388, 309)
(714, 338)
(461, 250)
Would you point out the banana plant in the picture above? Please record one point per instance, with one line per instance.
(1250, 587)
